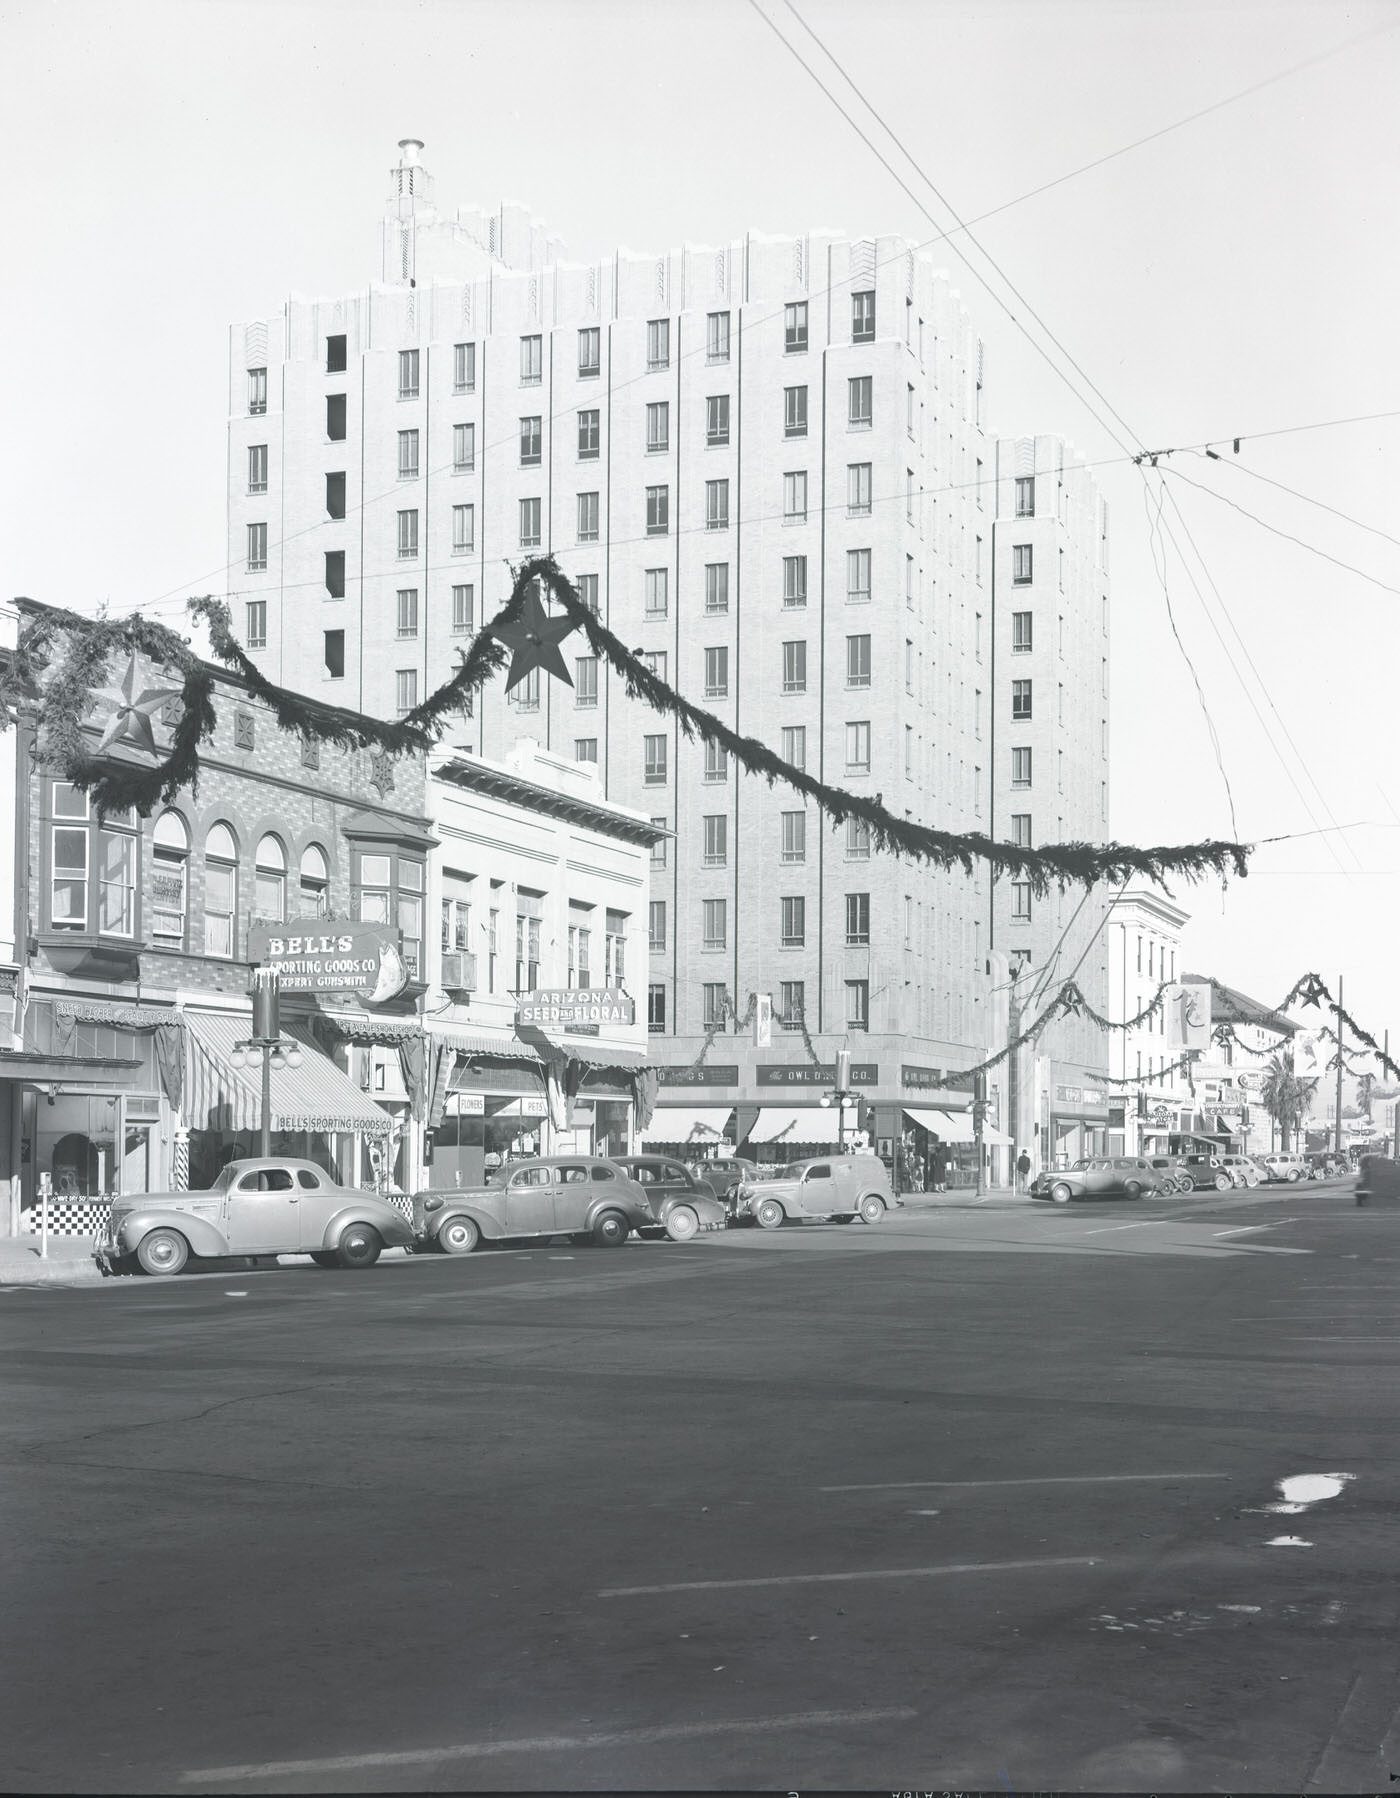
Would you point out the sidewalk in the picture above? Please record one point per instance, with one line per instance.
(69, 1262)
(963, 1198)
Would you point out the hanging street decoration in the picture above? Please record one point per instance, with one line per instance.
(132, 712)
(60, 660)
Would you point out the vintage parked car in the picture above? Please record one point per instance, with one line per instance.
(268, 1206)
(682, 1203)
(1241, 1169)
(1290, 1168)
(839, 1186)
(724, 1175)
(581, 1196)
(1100, 1177)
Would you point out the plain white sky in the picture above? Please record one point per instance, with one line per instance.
(175, 167)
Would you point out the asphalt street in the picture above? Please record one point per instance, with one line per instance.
(975, 1498)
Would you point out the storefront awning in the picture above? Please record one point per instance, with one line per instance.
(698, 1124)
(819, 1125)
(996, 1139)
(950, 1126)
(315, 1096)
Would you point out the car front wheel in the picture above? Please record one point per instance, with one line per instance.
(458, 1236)
(610, 1230)
(359, 1246)
(162, 1252)
(682, 1223)
(768, 1214)
(1223, 1183)
(1131, 1190)
(1293, 1176)
(872, 1209)
(1060, 1194)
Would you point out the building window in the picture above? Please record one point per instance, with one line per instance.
(408, 535)
(656, 1009)
(257, 546)
(717, 337)
(590, 351)
(588, 517)
(220, 891)
(863, 317)
(716, 420)
(531, 361)
(795, 667)
(588, 435)
(794, 580)
(858, 489)
(717, 505)
(857, 920)
(257, 468)
(255, 634)
(794, 412)
(1020, 767)
(1025, 496)
(716, 828)
(794, 836)
(858, 661)
(793, 910)
(463, 610)
(860, 402)
(910, 585)
(463, 367)
(585, 680)
(529, 524)
(795, 328)
(795, 497)
(716, 763)
(335, 354)
(407, 612)
(1020, 699)
(858, 747)
(909, 760)
(586, 749)
(335, 573)
(335, 493)
(792, 1004)
(388, 889)
(654, 661)
(658, 343)
(408, 374)
(334, 654)
(463, 449)
(1022, 638)
(257, 392)
(463, 530)
(580, 969)
(170, 861)
(408, 455)
(857, 1005)
(858, 577)
(714, 923)
(1021, 901)
(654, 760)
(270, 881)
(314, 882)
(715, 998)
(527, 944)
(909, 415)
(909, 514)
(658, 511)
(656, 591)
(658, 426)
(335, 417)
(717, 673)
(405, 690)
(588, 592)
(1021, 564)
(531, 441)
(717, 587)
(658, 848)
(656, 926)
(794, 745)
(908, 665)
(525, 694)
(1021, 829)
(857, 840)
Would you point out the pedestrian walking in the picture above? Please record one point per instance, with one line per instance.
(938, 1167)
(1023, 1168)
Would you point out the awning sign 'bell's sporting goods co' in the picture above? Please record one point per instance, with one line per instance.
(563, 1007)
(364, 959)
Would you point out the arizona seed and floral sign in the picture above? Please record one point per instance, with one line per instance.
(363, 959)
(567, 1007)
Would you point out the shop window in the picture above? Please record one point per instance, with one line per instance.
(315, 882)
(170, 862)
(220, 890)
(92, 866)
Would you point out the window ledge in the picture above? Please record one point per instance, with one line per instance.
(94, 957)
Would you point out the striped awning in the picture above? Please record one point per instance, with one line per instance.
(818, 1125)
(950, 1126)
(687, 1124)
(316, 1096)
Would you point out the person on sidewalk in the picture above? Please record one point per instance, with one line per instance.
(1023, 1169)
(938, 1167)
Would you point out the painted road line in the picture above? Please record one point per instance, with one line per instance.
(1056, 1479)
(621, 1738)
(1147, 1224)
(822, 1579)
(1245, 1229)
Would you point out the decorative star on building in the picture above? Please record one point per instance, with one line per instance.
(131, 718)
(534, 641)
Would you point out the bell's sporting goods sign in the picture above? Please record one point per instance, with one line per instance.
(364, 959)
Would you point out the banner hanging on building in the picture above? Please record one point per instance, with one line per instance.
(1188, 1016)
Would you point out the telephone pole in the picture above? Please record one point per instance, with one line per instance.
(1337, 1142)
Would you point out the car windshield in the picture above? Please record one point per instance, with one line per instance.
(226, 1178)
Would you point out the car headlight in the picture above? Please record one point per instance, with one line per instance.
(433, 1204)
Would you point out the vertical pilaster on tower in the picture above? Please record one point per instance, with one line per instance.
(410, 205)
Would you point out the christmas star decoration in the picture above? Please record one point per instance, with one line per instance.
(534, 641)
(133, 711)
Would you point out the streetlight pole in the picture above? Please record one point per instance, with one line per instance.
(840, 1092)
(266, 1041)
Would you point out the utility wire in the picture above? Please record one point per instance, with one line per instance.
(1293, 493)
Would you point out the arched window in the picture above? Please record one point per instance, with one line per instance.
(270, 881)
(220, 890)
(315, 882)
(170, 865)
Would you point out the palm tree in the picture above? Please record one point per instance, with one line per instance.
(1284, 1096)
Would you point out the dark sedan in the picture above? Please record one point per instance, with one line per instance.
(681, 1204)
(1103, 1177)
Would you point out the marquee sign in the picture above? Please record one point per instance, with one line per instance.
(784, 1073)
(363, 959)
(564, 1008)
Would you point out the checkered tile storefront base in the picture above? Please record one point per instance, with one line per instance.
(401, 1201)
(68, 1217)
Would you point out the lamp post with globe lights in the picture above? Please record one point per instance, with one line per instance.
(266, 1041)
(840, 1092)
